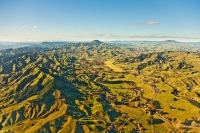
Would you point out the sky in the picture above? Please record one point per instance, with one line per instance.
(105, 20)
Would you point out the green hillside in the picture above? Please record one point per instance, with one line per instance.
(99, 87)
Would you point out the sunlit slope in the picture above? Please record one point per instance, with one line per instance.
(34, 102)
(39, 94)
(32, 99)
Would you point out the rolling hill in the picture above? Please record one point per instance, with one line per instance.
(95, 87)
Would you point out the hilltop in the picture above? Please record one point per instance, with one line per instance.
(95, 42)
(172, 41)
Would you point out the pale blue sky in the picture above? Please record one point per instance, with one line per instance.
(81, 20)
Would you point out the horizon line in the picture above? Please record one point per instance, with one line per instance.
(93, 40)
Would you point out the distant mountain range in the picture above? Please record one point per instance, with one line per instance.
(167, 45)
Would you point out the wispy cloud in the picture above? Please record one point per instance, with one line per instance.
(98, 35)
(151, 36)
(147, 23)
(35, 26)
(152, 23)
(25, 26)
